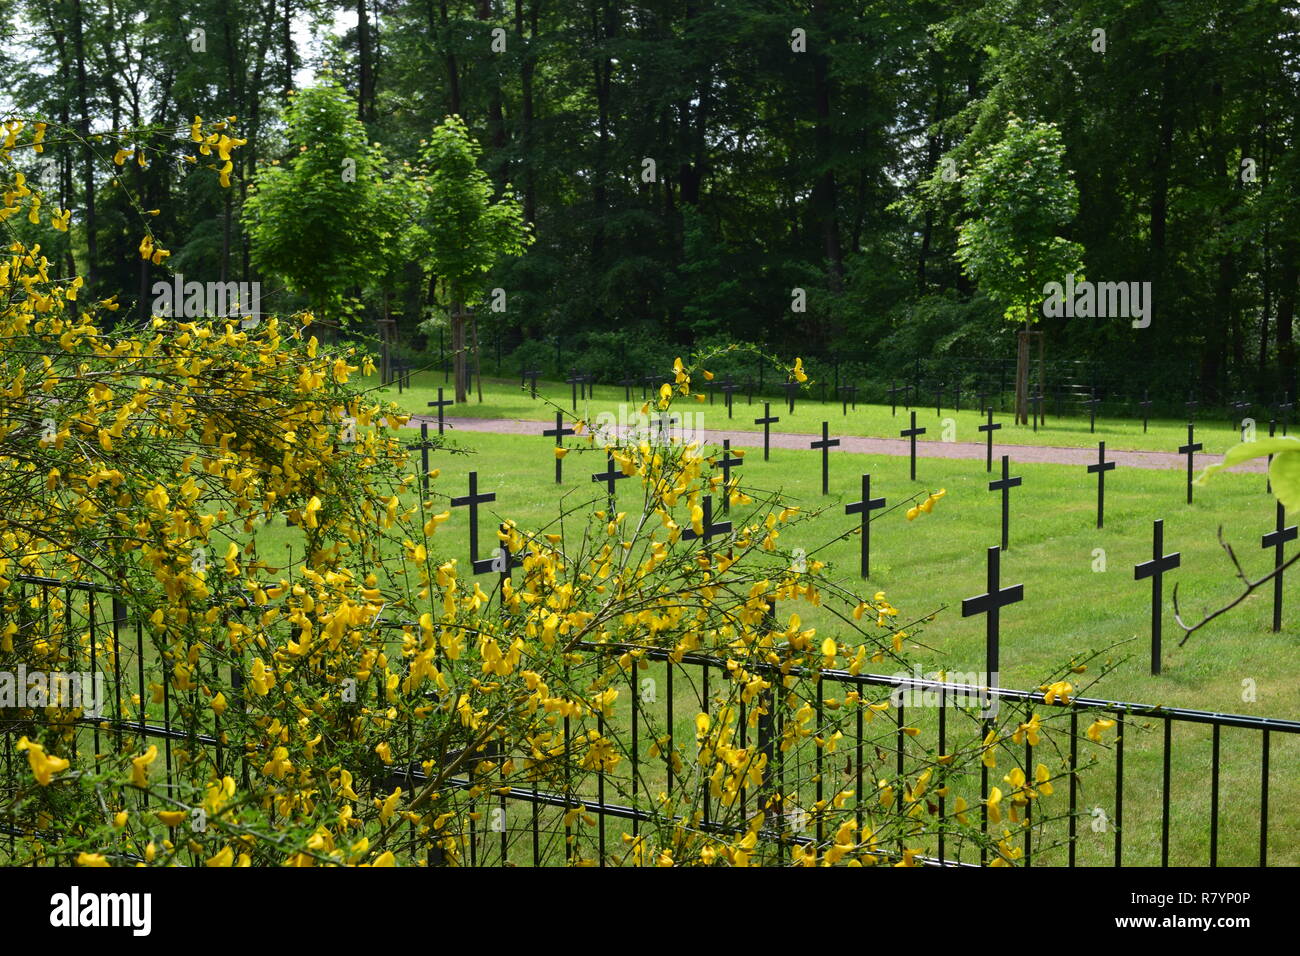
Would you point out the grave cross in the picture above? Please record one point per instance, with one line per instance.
(558, 433)
(473, 500)
(991, 603)
(708, 529)
(728, 389)
(956, 398)
(1191, 405)
(1277, 540)
(629, 384)
(989, 428)
(440, 404)
(852, 396)
(609, 476)
(790, 389)
(424, 456)
(1286, 408)
(1037, 402)
(826, 444)
(766, 421)
(892, 392)
(911, 433)
(1239, 406)
(864, 507)
(1099, 469)
(1190, 449)
(530, 375)
(726, 463)
(1146, 408)
(646, 382)
(1004, 485)
(1092, 402)
(1155, 570)
(938, 399)
(573, 381)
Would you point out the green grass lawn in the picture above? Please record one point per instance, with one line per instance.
(504, 398)
(1072, 606)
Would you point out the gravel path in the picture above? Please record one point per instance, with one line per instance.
(1044, 454)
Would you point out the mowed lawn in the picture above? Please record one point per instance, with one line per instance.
(505, 398)
(1080, 597)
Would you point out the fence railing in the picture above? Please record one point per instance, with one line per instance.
(1112, 807)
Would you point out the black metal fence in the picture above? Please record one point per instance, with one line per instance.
(1215, 809)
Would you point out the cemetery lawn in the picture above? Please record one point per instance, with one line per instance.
(1072, 607)
(504, 398)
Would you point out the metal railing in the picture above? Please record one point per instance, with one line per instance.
(548, 836)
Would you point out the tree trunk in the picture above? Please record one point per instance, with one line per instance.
(1022, 373)
(478, 358)
(88, 156)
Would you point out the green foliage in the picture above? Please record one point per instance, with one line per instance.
(1283, 470)
(326, 220)
(464, 233)
(1019, 196)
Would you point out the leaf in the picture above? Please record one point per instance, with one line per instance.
(1284, 473)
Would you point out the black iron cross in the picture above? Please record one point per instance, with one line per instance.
(440, 404)
(708, 528)
(629, 384)
(1004, 485)
(646, 382)
(826, 444)
(1277, 540)
(609, 476)
(938, 399)
(530, 375)
(852, 395)
(1146, 408)
(989, 428)
(1239, 406)
(1190, 449)
(1286, 408)
(1155, 570)
(473, 500)
(1191, 405)
(766, 421)
(558, 433)
(911, 433)
(956, 398)
(1092, 403)
(727, 463)
(573, 381)
(424, 456)
(1037, 402)
(864, 507)
(1099, 469)
(728, 389)
(790, 389)
(892, 392)
(991, 603)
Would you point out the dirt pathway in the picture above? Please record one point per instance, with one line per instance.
(1041, 454)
